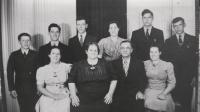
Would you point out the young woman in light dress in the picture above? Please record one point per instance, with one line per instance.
(51, 80)
(161, 81)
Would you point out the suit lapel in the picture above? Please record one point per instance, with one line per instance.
(77, 41)
(143, 33)
(121, 67)
(175, 41)
(20, 53)
(185, 40)
(29, 55)
(130, 66)
(86, 40)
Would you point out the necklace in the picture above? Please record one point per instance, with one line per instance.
(92, 64)
(92, 67)
(155, 63)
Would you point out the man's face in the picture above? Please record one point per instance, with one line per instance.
(81, 26)
(179, 27)
(125, 49)
(54, 34)
(147, 19)
(25, 42)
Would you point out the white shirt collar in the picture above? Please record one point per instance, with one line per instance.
(83, 35)
(54, 43)
(25, 51)
(182, 36)
(126, 59)
(149, 29)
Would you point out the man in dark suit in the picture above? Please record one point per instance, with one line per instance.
(77, 43)
(144, 37)
(131, 81)
(181, 49)
(21, 74)
(54, 33)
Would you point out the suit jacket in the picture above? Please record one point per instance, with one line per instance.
(21, 71)
(127, 86)
(184, 58)
(134, 81)
(76, 50)
(141, 44)
(45, 49)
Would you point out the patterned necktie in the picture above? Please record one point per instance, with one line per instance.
(147, 33)
(81, 40)
(180, 41)
(125, 66)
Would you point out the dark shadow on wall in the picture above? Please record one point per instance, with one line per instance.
(65, 33)
(100, 12)
(37, 41)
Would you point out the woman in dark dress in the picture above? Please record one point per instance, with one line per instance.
(91, 83)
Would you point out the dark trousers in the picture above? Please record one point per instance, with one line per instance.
(26, 102)
(183, 95)
(127, 105)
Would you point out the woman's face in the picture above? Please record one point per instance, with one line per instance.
(92, 52)
(55, 55)
(154, 53)
(113, 29)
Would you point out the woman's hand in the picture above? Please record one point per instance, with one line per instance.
(13, 93)
(162, 96)
(108, 98)
(75, 100)
(139, 96)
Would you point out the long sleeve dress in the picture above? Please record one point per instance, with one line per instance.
(54, 79)
(159, 77)
(92, 83)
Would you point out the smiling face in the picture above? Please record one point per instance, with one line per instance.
(126, 49)
(54, 33)
(113, 29)
(154, 53)
(55, 55)
(25, 42)
(92, 51)
(179, 27)
(81, 26)
(147, 19)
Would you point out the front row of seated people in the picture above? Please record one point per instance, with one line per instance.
(99, 86)
(126, 79)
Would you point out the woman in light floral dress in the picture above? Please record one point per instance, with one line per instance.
(109, 46)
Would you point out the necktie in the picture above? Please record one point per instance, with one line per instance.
(24, 54)
(147, 33)
(125, 66)
(81, 40)
(180, 41)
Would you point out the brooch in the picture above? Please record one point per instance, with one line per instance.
(92, 67)
(55, 74)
